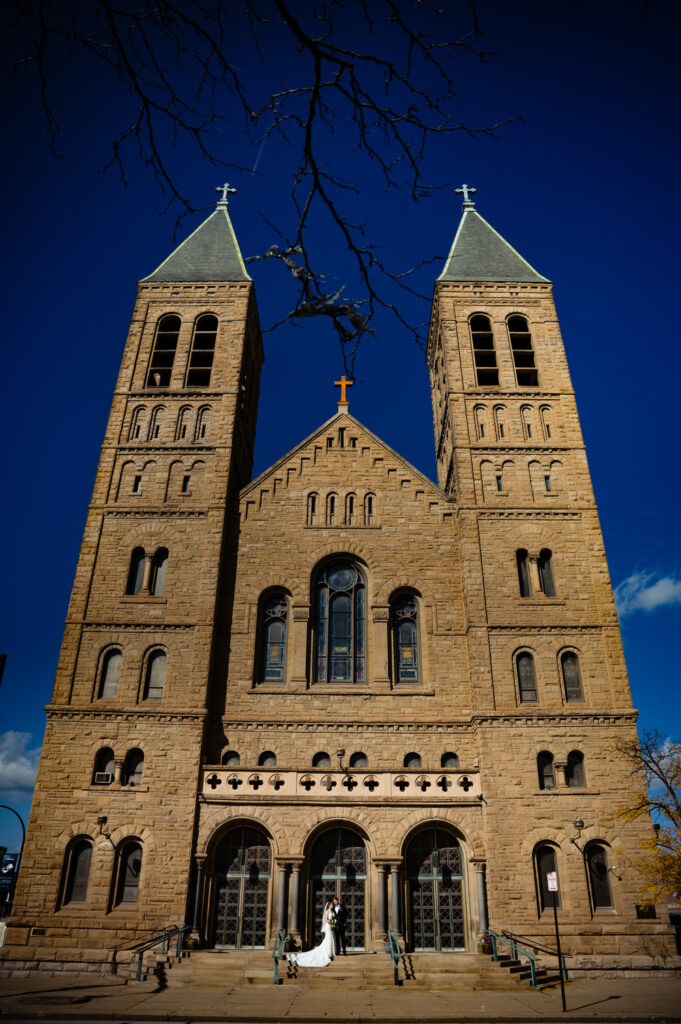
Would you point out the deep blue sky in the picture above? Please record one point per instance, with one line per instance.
(585, 187)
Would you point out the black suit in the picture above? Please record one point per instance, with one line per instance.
(341, 918)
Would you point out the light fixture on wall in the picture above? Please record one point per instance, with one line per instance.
(101, 821)
(340, 754)
(579, 825)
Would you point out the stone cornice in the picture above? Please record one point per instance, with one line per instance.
(561, 717)
(136, 714)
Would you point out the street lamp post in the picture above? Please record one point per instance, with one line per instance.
(5, 807)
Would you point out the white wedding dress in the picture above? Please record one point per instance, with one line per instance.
(321, 955)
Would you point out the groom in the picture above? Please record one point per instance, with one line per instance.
(340, 918)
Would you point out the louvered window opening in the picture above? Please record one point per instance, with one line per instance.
(523, 353)
(203, 352)
(485, 357)
(163, 355)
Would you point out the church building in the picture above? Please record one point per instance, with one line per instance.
(340, 678)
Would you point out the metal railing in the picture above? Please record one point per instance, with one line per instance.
(516, 949)
(138, 949)
(395, 954)
(541, 948)
(278, 951)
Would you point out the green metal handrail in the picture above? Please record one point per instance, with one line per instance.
(516, 949)
(560, 957)
(141, 948)
(395, 954)
(277, 952)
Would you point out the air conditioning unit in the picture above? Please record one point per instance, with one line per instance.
(103, 778)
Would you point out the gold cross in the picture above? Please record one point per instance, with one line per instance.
(343, 384)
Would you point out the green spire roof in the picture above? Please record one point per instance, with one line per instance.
(211, 253)
(479, 253)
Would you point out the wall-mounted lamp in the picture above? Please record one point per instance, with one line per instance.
(579, 825)
(340, 754)
(101, 821)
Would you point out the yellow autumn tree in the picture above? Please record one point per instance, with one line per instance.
(657, 759)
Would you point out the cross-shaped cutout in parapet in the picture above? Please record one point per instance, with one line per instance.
(401, 784)
(214, 781)
(371, 784)
(350, 783)
(444, 783)
(276, 782)
(328, 783)
(465, 783)
(256, 782)
(308, 784)
(234, 781)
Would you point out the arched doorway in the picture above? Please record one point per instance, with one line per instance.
(242, 882)
(338, 867)
(435, 895)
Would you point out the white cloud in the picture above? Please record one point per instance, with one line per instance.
(643, 592)
(18, 765)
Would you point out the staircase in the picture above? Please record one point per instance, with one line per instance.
(437, 972)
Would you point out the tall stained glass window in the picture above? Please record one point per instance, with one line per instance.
(341, 625)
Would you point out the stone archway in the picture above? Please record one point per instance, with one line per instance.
(435, 897)
(338, 866)
(242, 874)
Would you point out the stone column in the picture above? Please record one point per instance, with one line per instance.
(482, 896)
(379, 635)
(198, 891)
(535, 582)
(146, 577)
(294, 930)
(118, 770)
(395, 897)
(382, 914)
(560, 769)
(281, 900)
(301, 617)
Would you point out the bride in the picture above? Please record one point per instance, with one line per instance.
(322, 954)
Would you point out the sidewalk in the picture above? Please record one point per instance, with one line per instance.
(79, 998)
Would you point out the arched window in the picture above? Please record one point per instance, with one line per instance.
(480, 422)
(156, 423)
(575, 776)
(274, 614)
(183, 423)
(547, 779)
(132, 767)
(76, 871)
(202, 423)
(526, 416)
(572, 678)
(231, 759)
(523, 354)
(449, 760)
(312, 509)
(340, 625)
(110, 672)
(163, 354)
(523, 564)
(158, 571)
(129, 868)
(546, 421)
(137, 423)
(135, 572)
(202, 351)
(599, 877)
(369, 509)
(546, 579)
(321, 760)
(103, 771)
(483, 350)
(544, 864)
(405, 638)
(359, 760)
(154, 678)
(331, 509)
(527, 678)
(268, 759)
(412, 760)
(500, 422)
(350, 509)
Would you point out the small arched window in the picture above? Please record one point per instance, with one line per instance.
(369, 509)
(331, 509)
(110, 673)
(523, 564)
(526, 415)
(268, 759)
(547, 779)
(231, 759)
(156, 423)
(545, 864)
(500, 422)
(158, 571)
(132, 767)
(163, 354)
(135, 572)
(575, 776)
(412, 760)
(273, 632)
(449, 760)
(405, 637)
(340, 625)
(359, 760)
(103, 770)
(483, 350)
(546, 422)
(572, 678)
(545, 564)
(321, 760)
(599, 877)
(137, 424)
(350, 509)
(527, 678)
(155, 675)
(183, 423)
(129, 870)
(77, 862)
(480, 422)
(523, 353)
(202, 351)
(202, 423)
(312, 509)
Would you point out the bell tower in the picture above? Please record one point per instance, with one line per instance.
(142, 654)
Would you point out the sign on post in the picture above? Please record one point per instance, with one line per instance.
(552, 886)
(552, 881)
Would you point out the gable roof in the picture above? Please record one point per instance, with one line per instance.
(211, 253)
(479, 253)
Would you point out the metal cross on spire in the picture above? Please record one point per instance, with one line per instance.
(227, 190)
(465, 191)
(343, 384)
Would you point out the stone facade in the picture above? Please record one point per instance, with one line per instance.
(254, 767)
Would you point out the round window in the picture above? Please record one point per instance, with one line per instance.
(341, 577)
